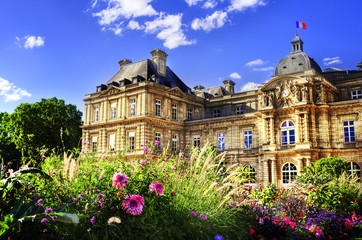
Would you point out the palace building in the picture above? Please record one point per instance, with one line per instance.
(301, 115)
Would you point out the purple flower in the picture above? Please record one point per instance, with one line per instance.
(44, 220)
(48, 210)
(203, 217)
(138, 198)
(45, 230)
(81, 195)
(193, 213)
(93, 220)
(218, 237)
(100, 195)
(54, 218)
(157, 187)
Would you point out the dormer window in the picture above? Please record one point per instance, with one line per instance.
(356, 94)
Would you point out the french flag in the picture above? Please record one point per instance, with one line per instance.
(301, 25)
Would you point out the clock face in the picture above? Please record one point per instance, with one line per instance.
(285, 93)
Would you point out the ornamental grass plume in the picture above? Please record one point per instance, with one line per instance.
(132, 206)
(157, 187)
(120, 180)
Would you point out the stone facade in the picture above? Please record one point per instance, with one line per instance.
(300, 115)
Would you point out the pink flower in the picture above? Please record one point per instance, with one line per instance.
(43, 150)
(157, 187)
(157, 142)
(85, 142)
(132, 205)
(146, 150)
(120, 180)
(40, 202)
(138, 198)
(93, 220)
(48, 210)
(217, 185)
(193, 213)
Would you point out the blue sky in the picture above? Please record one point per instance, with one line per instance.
(66, 48)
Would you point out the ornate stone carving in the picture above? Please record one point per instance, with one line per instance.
(268, 99)
(318, 94)
(113, 91)
(305, 93)
(286, 93)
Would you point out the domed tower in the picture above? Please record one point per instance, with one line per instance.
(297, 60)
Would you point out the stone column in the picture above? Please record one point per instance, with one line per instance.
(119, 108)
(266, 172)
(124, 108)
(300, 166)
(122, 138)
(273, 171)
(272, 131)
(144, 102)
(139, 104)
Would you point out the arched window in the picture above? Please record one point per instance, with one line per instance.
(289, 171)
(355, 169)
(287, 132)
(250, 174)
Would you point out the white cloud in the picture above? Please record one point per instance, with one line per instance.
(333, 60)
(134, 25)
(263, 69)
(210, 4)
(240, 5)
(216, 20)
(169, 30)
(32, 41)
(192, 2)
(256, 62)
(124, 8)
(94, 3)
(250, 86)
(235, 75)
(11, 92)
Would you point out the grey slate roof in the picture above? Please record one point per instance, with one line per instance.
(145, 70)
(296, 62)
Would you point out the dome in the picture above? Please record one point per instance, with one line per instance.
(297, 60)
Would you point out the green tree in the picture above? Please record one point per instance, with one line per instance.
(8, 151)
(331, 166)
(49, 124)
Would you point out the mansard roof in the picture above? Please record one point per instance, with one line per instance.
(147, 70)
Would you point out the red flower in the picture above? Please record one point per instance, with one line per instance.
(252, 231)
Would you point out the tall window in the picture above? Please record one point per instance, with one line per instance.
(96, 114)
(189, 114)
(288, 132)
(289, 172)
(94, 144)
(174, 111)
(131, 140)
(221, 141)
(356, 94)
(174, 143)
(133, 107)
(248, 139)
(196, 140)
(158, 139)
(349, 135)
(216, 113)
(355, 169)
(239, 110)
(158, 108)
(250, 174)
(113, 110)
(112, 142)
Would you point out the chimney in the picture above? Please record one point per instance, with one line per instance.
(359, 66)
(159, 57)
(229, 85)
(124, 62)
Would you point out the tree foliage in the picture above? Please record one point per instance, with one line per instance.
(8, 151)
(331, 166)
(50, 124)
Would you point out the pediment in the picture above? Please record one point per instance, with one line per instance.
(177, 91)
(283, 80)
(111, 91)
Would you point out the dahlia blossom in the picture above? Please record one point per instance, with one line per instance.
(120, 180)
(138, 198)
(132, 205)
(157, 187)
